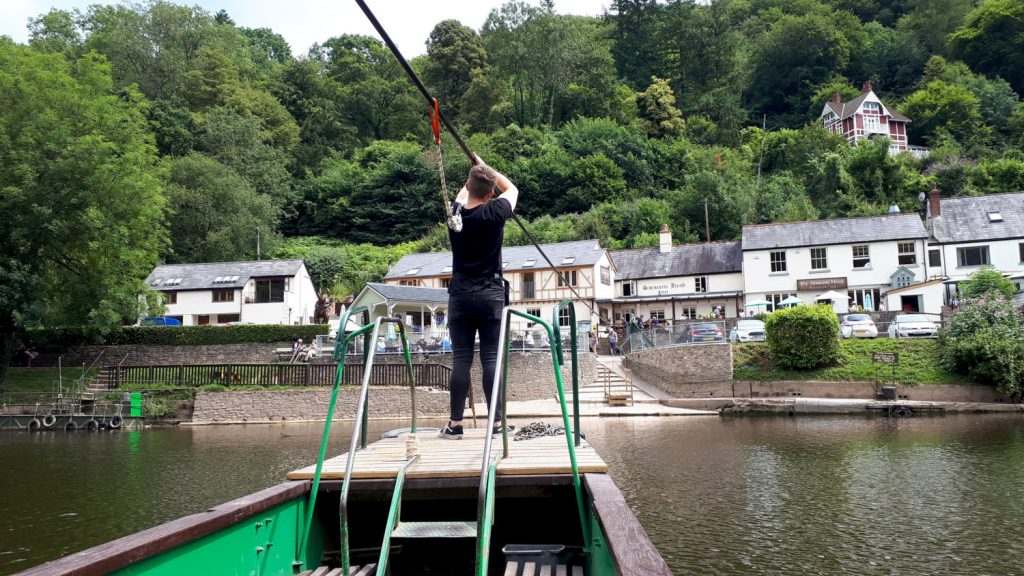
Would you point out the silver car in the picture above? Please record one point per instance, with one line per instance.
(747, 331)
(912, 326)
(858, 326)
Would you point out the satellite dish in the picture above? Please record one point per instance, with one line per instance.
(894, 209)
(920, 197)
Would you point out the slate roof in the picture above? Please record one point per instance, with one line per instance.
(837, 231)
(584, 252)
(176, 277)
(847, 109)
(966, 219)
(683, 260)
(409, 293)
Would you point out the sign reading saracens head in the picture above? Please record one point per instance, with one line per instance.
(660, 287)
(820, 284)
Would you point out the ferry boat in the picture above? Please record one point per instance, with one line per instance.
(409, 504)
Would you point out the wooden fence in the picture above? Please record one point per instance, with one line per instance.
(296, 375)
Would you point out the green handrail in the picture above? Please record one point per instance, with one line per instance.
(575, 362)
(359, 430)
(483, 539)
(338, 378)
(393, 514)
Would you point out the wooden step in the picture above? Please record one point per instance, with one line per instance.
(352, 571)
(519, 568)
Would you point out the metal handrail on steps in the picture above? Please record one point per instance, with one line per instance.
(488, 467)
(359, 428)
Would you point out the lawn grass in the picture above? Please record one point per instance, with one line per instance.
(918, 363)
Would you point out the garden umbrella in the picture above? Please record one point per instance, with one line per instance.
(791, 301)
(758, 303)
(832, 295)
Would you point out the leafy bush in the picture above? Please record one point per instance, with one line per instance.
(194, 335)
(803, 337)
(985, 340)
(159, 408)
(987, 280)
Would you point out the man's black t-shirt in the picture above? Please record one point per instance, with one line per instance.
(476, 250)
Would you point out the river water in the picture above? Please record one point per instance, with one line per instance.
(735, 496)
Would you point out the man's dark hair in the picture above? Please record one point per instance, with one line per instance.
(481, 181)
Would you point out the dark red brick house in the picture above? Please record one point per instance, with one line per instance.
(866, 117)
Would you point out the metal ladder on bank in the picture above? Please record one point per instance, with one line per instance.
(481, 528)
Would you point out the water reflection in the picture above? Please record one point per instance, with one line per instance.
(733, 497)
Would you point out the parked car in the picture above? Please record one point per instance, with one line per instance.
(747, 331)
(706, 332)
(912, 326)
(858, 326)
(160, 321)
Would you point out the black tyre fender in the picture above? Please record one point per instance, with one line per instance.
(115, 423)
(92, 425)
(34, 425)
(70, 426)
(49, 420)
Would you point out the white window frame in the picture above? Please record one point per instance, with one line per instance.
(906, 257)
(700, 284)
(777, 264)
(819, 258)
(864, 258)
(984, 251)
(571, 274)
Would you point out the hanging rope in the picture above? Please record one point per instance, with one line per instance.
(439, 118)
(454, 218)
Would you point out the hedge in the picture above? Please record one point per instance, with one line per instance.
(58, 338)
(236, 334)
(803, 337)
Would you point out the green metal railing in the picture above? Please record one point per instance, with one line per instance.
(393, 514)
(488, 468)
(359, 432)
(560, 360)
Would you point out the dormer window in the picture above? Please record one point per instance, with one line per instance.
(995, 217)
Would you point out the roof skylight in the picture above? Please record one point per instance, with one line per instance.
(446, 269)
(412, 271)
(529, 263)
(995, 217)
(568, 260)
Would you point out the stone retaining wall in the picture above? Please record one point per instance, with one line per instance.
(311, 404)
(867, 390)
(530, 376)
(695, 371)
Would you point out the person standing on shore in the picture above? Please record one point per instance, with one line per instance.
(476, 293)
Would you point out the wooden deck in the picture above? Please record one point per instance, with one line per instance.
(440, 458)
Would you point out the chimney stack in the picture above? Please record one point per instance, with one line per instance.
(665, 243)
(866, 87)
(836, 98)
(934, 205)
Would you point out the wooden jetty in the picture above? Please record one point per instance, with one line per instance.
(441, 458)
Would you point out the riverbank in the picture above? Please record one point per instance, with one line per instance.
(820, 406)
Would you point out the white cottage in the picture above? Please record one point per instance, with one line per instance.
(855, 257)
(678, 282)
(260, 292)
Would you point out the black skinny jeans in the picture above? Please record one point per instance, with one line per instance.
(471, 312)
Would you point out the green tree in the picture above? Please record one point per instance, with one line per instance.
(985, 340)
(931, 21)
(991, 40)
(658, 112)
(987, 281)
(214, 213)
(56, 31)
(891, 59)
(942, 108)
(797, 51)
(637, 50)
(455, 52)
(81, 194)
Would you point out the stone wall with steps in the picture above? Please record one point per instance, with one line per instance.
(694, 371)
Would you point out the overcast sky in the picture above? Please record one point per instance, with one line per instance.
(303, 22)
